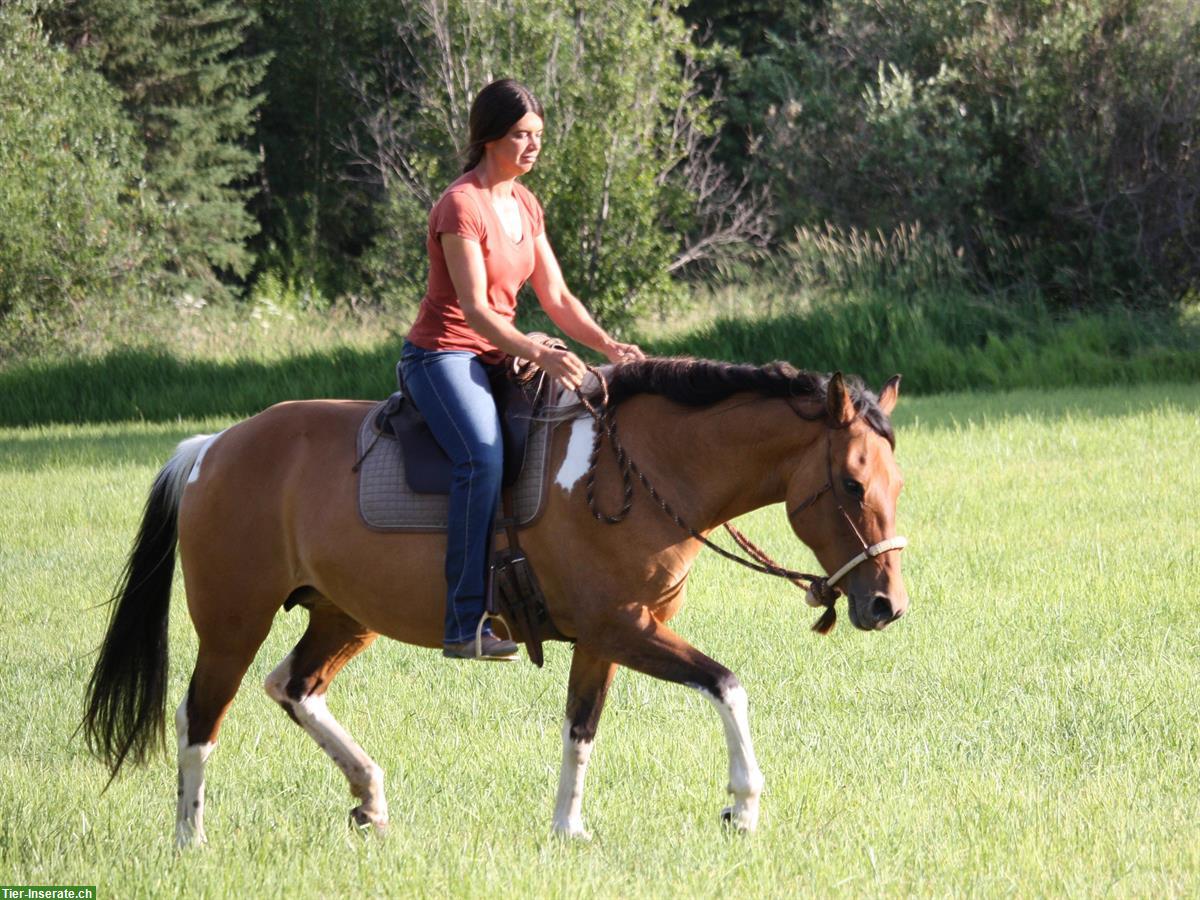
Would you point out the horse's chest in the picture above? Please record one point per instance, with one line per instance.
(667, 590)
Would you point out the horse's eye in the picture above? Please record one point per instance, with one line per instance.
(853, 488)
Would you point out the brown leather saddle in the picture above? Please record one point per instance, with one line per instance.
(427, 468)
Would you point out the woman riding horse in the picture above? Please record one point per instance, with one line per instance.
(266, 516)
(485, 239)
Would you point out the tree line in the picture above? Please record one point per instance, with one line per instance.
(186, 151)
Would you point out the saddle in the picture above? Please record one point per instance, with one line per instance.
(405, 477)
(427, 468)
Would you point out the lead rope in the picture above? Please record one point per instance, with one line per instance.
(606, 427)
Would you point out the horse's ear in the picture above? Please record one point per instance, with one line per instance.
(840, 406)
(889, 395)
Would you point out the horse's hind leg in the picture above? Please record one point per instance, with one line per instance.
(298, 684)
(586, 691)
(222, 660)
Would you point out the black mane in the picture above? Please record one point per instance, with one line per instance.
(703, 382)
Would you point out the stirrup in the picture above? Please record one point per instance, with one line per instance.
(479, 631)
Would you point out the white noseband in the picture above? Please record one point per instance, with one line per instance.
(896, 543)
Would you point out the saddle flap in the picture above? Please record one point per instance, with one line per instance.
(516, 404)
(427, 468)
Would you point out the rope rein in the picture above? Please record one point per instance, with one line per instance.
(819, 589)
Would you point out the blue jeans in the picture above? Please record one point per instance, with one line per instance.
(452, 391)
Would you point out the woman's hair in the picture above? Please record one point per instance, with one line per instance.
(496, 109)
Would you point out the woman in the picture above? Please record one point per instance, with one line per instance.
(485, 240)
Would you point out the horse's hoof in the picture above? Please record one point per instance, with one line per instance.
(362, 821)
(189, 840)
(741, 823)
(571, 833)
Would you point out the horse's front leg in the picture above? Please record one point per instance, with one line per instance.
(586, 690)
(644, 644)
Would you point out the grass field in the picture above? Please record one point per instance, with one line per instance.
(1030, 729)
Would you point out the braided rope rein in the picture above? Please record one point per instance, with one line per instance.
(819, 589)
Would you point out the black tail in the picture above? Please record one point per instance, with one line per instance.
(126, 696)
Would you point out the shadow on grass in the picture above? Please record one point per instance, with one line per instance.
(140, 385)
(939, 343)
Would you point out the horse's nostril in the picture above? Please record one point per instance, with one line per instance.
(881, 609)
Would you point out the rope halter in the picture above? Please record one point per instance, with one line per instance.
(819, 590)
(895, 543)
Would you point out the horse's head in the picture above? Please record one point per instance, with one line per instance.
(842, 503)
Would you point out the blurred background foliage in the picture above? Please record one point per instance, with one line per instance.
(278, 157)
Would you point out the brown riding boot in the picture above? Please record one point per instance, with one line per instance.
(487, 647)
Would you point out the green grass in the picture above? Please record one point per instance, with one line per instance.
(1028, 730)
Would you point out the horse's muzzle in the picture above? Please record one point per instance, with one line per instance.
(873, 613)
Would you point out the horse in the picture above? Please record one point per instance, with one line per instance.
(264, 514)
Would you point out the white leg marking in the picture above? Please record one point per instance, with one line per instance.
(568, 817)
(745, 778)
(579, 449)
(313, 715)
(189, 808)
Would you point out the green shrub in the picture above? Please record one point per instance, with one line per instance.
(1054, 142)
(74, 216)
(951, 340)
(907, 261)
(620, 85)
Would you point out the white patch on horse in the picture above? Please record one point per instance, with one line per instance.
(313, 715)
(745, 778)
(568, 816)
(208, 440)
(579, 449)
(276, 683)
(189, 808)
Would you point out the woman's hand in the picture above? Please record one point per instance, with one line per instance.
(619, 353)
(565, 310)
(562, 365)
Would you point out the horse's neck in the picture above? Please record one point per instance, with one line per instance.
(727, 459)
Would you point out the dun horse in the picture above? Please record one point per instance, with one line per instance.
(265, 513)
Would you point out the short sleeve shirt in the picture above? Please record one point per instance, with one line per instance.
(465, 210)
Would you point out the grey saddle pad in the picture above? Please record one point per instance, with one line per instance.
(387, 503)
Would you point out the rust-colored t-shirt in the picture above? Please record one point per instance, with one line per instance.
(465, 210)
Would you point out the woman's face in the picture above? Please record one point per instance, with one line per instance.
(518, 150)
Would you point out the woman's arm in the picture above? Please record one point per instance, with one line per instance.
(565, 310)
(464, 260)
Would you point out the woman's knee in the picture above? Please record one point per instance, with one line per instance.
(485, 461)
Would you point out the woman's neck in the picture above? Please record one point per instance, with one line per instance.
(495, 184)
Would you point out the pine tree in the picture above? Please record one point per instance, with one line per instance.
(73, 241)
(313, 223)
(189, 82)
